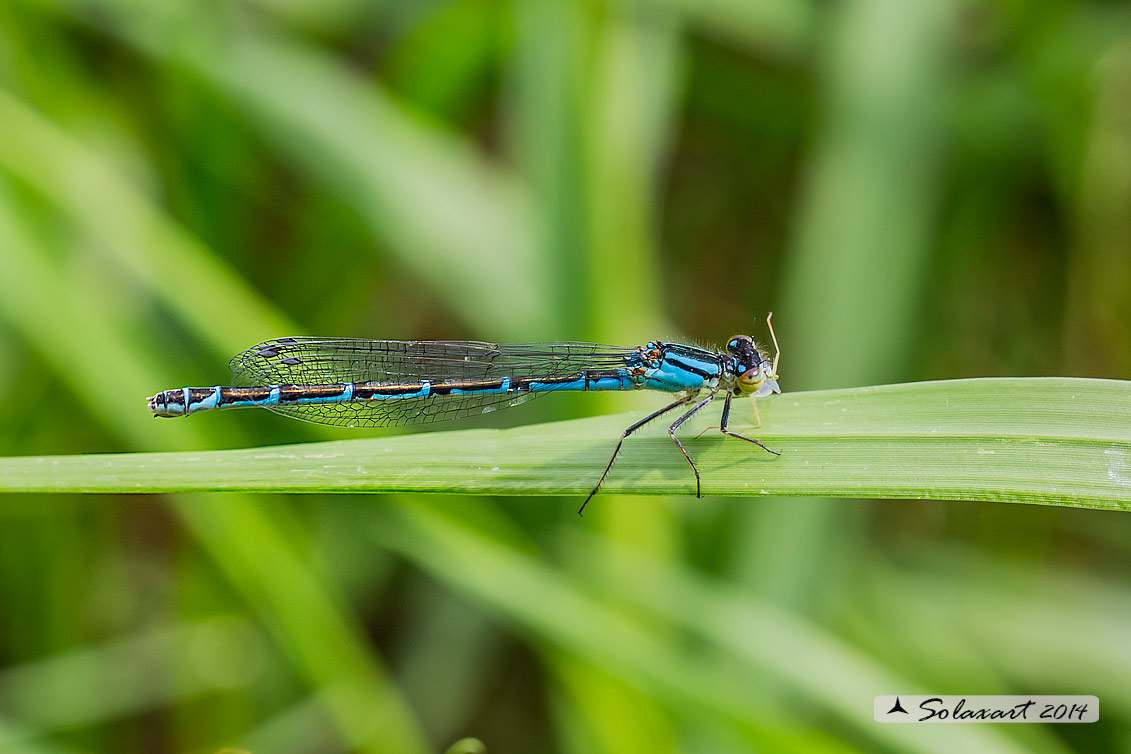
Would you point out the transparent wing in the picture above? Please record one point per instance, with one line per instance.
(322, 361)
(402, 411)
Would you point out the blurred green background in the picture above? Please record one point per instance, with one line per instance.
(918, 190)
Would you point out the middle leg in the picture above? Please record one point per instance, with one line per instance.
(675, 425)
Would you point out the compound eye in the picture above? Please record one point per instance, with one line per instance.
(751, 379)
(735, 343)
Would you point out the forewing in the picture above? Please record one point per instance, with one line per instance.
(322, 361)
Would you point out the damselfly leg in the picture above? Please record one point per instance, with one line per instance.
(726, 421)
(650, 417)
(757, 419)
(676, 424)
(724, 428)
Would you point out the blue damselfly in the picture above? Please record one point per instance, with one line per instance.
(386, 383)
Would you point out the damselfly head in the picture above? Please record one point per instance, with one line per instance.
(755, 374)
(745, 352)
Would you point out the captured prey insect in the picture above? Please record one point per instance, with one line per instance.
(385, 383)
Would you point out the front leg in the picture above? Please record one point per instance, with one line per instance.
(726, 408)
(725, 431)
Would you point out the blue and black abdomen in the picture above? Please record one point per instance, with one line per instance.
(385, 404)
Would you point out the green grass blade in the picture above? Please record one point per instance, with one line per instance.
(131, 674)
(781, 647)
(744, 640)
(565, 617)
(1055, 441)
(777, 28)
(458, 220)
(258, 547)
(132, 233)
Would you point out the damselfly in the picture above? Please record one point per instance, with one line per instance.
(385, 383)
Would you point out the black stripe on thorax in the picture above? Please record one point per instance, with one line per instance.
(698, 371)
